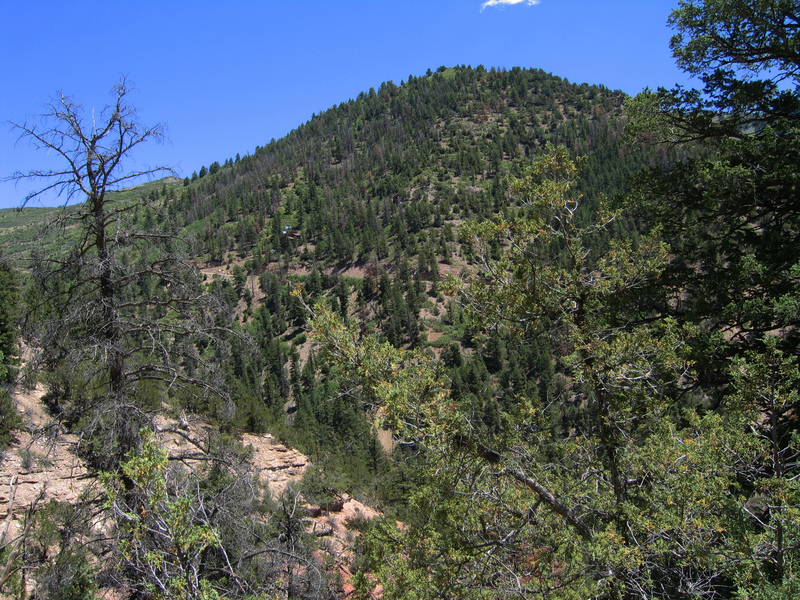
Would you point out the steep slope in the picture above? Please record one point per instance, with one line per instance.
(43, 460)
(372, 172)
(361, 208)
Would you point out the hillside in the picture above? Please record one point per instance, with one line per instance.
(547, 332)
(371, 176)
(45, 472)
(374, 172)
(360, 206)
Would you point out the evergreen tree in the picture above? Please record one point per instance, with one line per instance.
(9, 307)
(594, 510)
(728, 206)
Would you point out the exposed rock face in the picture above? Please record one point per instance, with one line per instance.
(41, 458)
(276, 464)
(44, 457)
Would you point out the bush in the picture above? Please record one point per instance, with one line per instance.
(9, 418)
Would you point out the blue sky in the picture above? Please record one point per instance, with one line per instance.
(226, 77)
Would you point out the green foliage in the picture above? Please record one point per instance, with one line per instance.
(407, 384)
(613, 411)
(529, 287)
(727, 207)
(162, 535)
(735, 37)
(206, 533)
(613, 496)
(319, 488)
(766, 399)
(64, 568)
(9, 308)
(9, 418)
(555, 279)
(373, 187)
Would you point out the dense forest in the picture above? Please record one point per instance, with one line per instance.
(548, 330)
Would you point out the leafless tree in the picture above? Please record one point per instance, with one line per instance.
(93, 150)
(117, 314)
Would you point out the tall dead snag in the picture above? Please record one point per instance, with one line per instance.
(117, 315)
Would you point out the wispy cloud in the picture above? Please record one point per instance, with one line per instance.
(505, 2)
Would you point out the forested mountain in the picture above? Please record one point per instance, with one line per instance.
(373, 171)
(550, 331)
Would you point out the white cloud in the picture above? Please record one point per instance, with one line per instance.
(505, 2)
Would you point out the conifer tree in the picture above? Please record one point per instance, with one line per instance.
(728, 206)
(519, 507)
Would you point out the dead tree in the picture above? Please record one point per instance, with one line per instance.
(116, 316)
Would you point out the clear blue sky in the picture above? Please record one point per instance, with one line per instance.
(228, 76)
